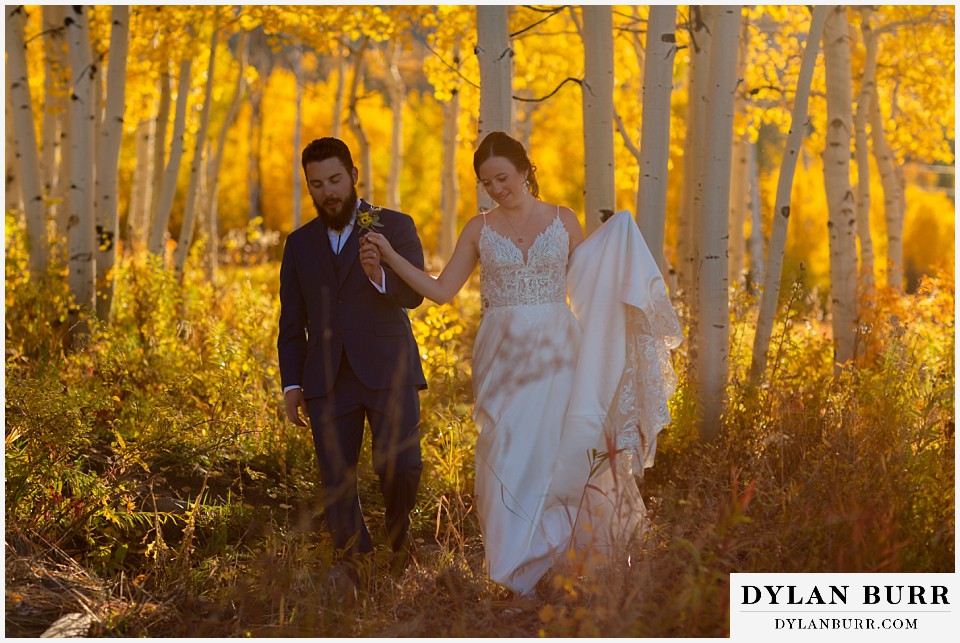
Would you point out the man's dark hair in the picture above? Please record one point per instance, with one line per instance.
(321, 149)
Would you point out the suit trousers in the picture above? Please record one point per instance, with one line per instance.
(337, 423)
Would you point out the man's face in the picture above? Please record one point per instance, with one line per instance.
(333, 189)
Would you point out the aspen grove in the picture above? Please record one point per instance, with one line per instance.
(790, 167)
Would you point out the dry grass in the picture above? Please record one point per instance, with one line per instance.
(153, 487)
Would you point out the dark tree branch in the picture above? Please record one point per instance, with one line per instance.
(539, 9)
(56, 31)
(551, 13)
(579, 81)
(446, 64)
(623, 132)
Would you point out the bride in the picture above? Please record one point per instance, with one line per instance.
(569, 398)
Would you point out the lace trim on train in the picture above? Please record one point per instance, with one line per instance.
(639, 411)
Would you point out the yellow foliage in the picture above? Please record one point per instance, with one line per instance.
(916, 97)
(928, 234)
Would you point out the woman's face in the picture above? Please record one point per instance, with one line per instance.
(502, 181)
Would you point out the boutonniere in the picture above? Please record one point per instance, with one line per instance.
(369, 220)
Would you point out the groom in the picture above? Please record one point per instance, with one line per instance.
(346, 348)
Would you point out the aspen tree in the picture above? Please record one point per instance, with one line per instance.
(495, 57)
(337, 119)
(714, 229)
(841, 204)
(867, 84)
(739, 179)
(445, 73)
(688, 248)
(755, 243)
(141, 191)
(81, 243)
(54, 105)
(196, 163)
(396, 91)
(108, 161)
(655, 131)
(599, 186)
(297, 64)
(365, 183)
(216, 161)
(778, 235)
(13, 199)
(28, 161)
(64, 178)
(893, 201)
(450, 185)
(168, 188)
(159, 162)
(261, 58)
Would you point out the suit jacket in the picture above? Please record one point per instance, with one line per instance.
(327, 310)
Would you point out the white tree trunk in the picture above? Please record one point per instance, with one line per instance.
(365, 182)
(655, 132)
(337, 125)
(450, 191)
(297, 137)
(836, 173)
(159, 147)
(714, 228)
(190, 206)
(80, 223)
(254, 186)
(217, 160)
(599, 179)
(65, 176)
(108, 160)
(739, 181)
(755, 245)
(867, 84)
(495, 56)
(28, 165)
(141, 192)
(739, 199)
(168, 189)
(14, 200)
(691, 204)
(54, 105)
(893, 199)
(781, 216)
(397, 91)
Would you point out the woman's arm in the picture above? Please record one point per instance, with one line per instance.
(407, 244)
(572, 224)
(451, 278)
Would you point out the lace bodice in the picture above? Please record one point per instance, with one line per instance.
(507, 280)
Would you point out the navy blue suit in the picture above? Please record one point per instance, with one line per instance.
(352, 350)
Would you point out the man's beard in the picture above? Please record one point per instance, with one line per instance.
(342, 215)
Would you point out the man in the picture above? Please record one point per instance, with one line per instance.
(347, 350)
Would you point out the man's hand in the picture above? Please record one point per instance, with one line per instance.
(294, 402)
(370, 260)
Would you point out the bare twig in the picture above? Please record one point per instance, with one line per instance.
(570, 79)
(623, 132)
(551, 13)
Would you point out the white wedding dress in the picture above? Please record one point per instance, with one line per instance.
(567, 405)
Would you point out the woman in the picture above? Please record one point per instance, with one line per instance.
(551, 415)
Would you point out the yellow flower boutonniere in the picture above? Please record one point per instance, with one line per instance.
(369, 220)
